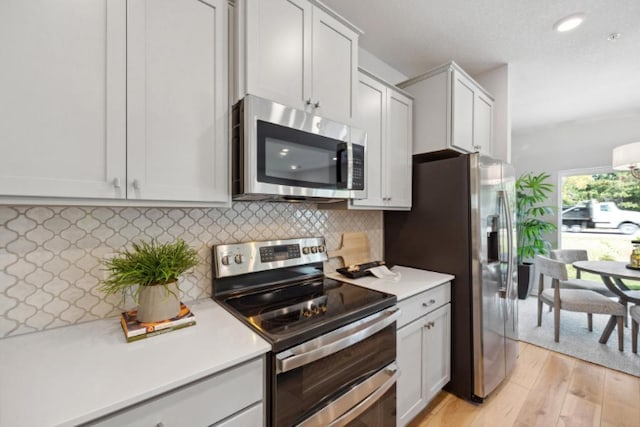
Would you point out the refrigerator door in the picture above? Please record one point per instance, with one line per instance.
(489, 305)
(511, 299)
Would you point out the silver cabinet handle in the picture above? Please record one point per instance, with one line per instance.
(430, 325)
(116, 182)
(427, 304)
(136, 184)
(335, 341)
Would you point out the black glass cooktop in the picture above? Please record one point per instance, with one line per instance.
(295, 312)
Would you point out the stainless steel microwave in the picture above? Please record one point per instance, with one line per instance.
(281, 153)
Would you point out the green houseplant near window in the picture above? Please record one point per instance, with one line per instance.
(149, 273)
(532, 192)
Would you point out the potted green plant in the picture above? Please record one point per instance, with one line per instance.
(532, 194)
(149, 273)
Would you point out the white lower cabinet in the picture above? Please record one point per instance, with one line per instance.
(232, 398)
(423, 350)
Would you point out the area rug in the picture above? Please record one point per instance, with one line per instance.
(575, 338)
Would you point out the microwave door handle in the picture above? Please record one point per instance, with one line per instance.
(344, 168)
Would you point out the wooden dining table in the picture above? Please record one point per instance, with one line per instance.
(613, 274)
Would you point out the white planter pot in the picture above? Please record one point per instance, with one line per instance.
(156, 303)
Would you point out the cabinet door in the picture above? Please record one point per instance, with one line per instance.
(409, 357)
(463, 93)
(62, 102)
(370, 117)
(278, 50)
(437, 351)
(483, 123)
(335, 67)
(177, 100)
(201, 403)
(397, 165)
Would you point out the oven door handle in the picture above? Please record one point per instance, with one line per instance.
(334, 341)
(350, 405)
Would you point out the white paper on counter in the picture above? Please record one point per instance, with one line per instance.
(382, 272)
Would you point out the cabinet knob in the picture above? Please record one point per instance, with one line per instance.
(116, 182)
(308, 101)
(317, 104)
(427, 304)
(477, 147)
(429, 325)
(136, 184)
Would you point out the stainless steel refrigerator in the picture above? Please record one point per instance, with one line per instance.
(462, 223)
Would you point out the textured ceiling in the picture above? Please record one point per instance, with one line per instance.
(555, 77)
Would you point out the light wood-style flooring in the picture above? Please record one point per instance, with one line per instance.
(545, 389)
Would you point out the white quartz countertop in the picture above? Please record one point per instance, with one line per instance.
(412, 281)
(74, 374)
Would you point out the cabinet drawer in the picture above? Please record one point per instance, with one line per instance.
(253, 416)
(202, 403)
(423, 303)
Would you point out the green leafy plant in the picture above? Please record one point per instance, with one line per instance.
(148, 264)
(532, 191)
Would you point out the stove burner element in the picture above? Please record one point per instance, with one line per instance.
(286, 317)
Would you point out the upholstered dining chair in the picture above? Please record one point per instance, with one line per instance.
(578, 300)
(635, 321)
(569, 256)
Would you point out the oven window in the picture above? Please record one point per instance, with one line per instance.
(289, 156)
(304, 390)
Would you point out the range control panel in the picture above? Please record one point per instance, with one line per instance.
(249, 257)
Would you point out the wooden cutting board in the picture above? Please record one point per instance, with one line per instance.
(354, 249)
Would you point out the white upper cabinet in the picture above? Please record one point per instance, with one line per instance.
(371, 116)
(452, 112)
(299, 54)
(386, 115)
(277, 36)
(398, 150)
(177, 96)
(114, 100)
(62, 102)
(335, 67)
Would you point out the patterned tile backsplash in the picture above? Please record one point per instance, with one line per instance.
(51, 257)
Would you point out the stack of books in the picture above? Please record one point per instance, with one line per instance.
(134, 330)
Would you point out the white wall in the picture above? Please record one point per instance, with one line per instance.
(583, 144)
(379, 68)
(496, 82)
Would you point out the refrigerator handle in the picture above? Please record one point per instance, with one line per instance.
(504, 197)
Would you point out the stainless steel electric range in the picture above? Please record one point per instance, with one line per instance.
(333, 344)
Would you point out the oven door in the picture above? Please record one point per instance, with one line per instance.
(290, 152)
(344, 376)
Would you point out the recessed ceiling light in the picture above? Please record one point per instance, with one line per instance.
(285, 150)
(568, 23)
(613, 37)
(294, 167)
